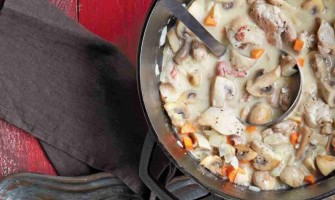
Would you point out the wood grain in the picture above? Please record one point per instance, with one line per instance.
(118, 21)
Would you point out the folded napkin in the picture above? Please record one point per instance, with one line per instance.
(70, 89)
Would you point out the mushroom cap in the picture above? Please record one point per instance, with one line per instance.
(266, 159)
(178, 112)
(260, 114)
(222, 89)
(261, 84)
(244, 153)
(201, 140)
(240, 61)
(212, 163)
(264, 180)
(326, 164)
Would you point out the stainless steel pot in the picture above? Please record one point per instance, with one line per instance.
(149, 56)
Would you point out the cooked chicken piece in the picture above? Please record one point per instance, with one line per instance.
(326, 37)
(264, 180)
(285, 127)
(241, 62)
(292, 176)
(322, 65)
(274, 22)
(317, 113)
(243, 32)
(223, 120)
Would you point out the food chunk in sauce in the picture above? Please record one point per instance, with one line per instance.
(210, 99)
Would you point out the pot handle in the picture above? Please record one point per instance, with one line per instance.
(152, 183)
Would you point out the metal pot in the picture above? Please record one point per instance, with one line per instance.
(149, 56)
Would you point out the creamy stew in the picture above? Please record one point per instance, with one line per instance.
(211, 100)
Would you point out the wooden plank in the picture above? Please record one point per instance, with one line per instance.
(118, 21)
(19, 151)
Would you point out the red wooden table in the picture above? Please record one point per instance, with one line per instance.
(118, 21)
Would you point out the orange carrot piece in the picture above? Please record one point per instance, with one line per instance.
(310, 179)
(250, 129)
(257, 53)
(241, 170)
(188, 143)
(188, 128)
(231, 174)
(301, 62)
(210, 19)
(298, 44)
(294, 138)
(229, 140)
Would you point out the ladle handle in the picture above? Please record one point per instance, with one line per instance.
(179, 11)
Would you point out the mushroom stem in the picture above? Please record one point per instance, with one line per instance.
(306, 134)
(184, 51)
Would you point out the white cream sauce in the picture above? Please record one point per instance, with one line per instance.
(179, 75)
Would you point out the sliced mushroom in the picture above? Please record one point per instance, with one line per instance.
(306, 134)
(223, 120)
(285, 127)
(189, 96)
(264, 180)
(212, 163)
(266, 159)
(244, 113)
(314, 6)
(178, 113)
(326, 164)
(316, 112)
(184, 52)
(326, 37)
(327, 129)
(285, 99)
(240, 61)
(199, 51)
(287, 64)
(292, 176)
(174, 41)
(201, 141)
(260, 114)
(222, 89)
(279, 169)
(228, 5)
(309, 163)
(261, 84)
(245, 153)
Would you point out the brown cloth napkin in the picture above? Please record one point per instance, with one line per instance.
(71, 89)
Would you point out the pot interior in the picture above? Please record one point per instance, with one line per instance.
(149, 61)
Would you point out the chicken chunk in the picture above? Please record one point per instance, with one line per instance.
(242, 32)
(326, 37)
(317, 113)
(222, 120)
(274, 22)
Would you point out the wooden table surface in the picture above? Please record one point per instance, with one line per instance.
(118, 21)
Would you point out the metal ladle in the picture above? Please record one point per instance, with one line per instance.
(218, 49)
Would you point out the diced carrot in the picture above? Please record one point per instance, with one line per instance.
(294, 138)
(231, 174)
(242, 162)
(310, 179)
(210, 19)
(257, 53)
(298, 44)
(301, 62)
(250, 129)
(188, 143)
(229, 140)
(188, 128)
